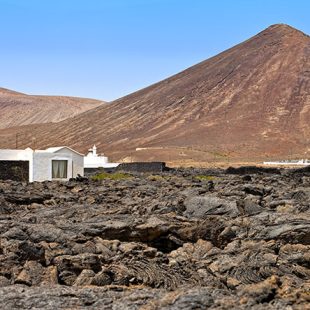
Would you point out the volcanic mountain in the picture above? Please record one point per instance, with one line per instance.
(21, 109)
(251, 101)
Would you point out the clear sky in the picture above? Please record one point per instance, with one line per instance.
(106, 49)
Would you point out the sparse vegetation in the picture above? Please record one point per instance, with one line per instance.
(205, 177)
(112, 176)
(157, 177)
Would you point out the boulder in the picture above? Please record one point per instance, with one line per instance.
(202, 207)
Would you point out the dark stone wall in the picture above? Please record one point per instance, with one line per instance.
(251, 170)
(143, 167)
(88, 172)
(129, 167)
(14, 170)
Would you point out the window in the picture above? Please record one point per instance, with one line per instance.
(59, 169)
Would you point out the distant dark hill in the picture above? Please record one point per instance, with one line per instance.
(252, 100)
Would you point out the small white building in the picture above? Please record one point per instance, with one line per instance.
(93, 160)
(55, 163)
(297, 162)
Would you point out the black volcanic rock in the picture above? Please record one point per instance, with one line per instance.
(157, 241)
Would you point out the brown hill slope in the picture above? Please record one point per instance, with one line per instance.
(20, 109)
(252, 100)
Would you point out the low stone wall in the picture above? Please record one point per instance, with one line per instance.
(251, 170)
(143, 167)
(14, 170)
(130, 167)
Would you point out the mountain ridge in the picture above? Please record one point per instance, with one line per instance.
(251, 100)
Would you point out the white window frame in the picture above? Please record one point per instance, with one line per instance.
(69, 168)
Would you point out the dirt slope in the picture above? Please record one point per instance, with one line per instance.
(20, 109)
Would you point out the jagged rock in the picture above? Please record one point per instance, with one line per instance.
(16, 233)
(191, 251)
(84, 278)
(50, 276)
(5, 208)
(78, 262)
(262, 292)
(4, 281)
(102, 278)
(25, 199)
(201, 207)
(158, 242)
(31, 274)
(249, 205)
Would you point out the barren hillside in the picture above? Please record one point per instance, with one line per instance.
(20, 109)
(252, 100)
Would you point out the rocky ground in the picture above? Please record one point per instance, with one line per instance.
(187, 239)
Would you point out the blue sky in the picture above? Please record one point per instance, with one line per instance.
(106, 49)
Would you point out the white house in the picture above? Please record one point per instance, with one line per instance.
(55, 163)
(93, 160)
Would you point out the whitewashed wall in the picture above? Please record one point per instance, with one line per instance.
(40, 162)
(91, 161)
(16, 154)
